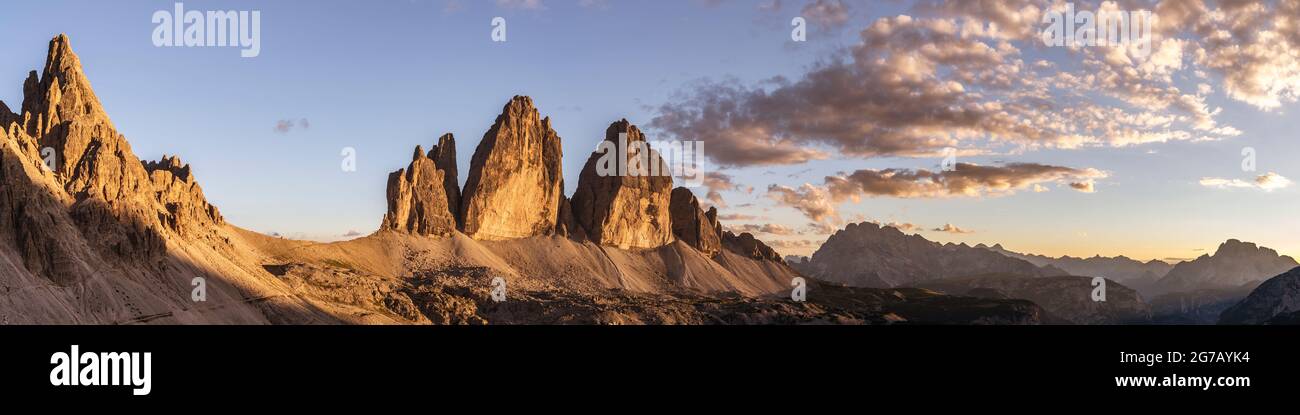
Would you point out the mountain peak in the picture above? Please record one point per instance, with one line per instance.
(62, 92)
(1234, 246)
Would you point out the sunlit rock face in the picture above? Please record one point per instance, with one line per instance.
(623, 209)
(515, 185)
(423, 198)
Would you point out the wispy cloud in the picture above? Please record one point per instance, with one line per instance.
(1267, 182)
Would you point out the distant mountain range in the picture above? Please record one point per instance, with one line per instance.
(869, 255)
(1130, 272)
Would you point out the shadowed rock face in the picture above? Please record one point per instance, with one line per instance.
(515, 183)
(444, 158)
(695, 227)
(625, 210)
(422, 197)
(1276, 301)
(1234, 264)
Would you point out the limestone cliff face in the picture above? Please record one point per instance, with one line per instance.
(122, 206)
(422, 197)
(515, 185)
(695, 227)
(625, 210)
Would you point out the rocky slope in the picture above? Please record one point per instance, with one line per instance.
(1067, 298)
(1234, 264)
(628, 210)
(515, 185)
(868, 255)
(1276, 301)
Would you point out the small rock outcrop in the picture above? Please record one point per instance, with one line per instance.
(175, 187)
(625, 206)
(515, 185)
(423, 197)
(746, 244)
(694, 226)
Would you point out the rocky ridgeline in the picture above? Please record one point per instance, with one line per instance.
(515, 189)
(109, 198)
(868, 255)
(1233, 264)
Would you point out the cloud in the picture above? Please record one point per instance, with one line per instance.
(818, 203)
(719, 182)
(794, 246)
(351, 233)
(950, 228)
(737, 216)
(814, 202)
(902, 226)
(965, 179)
(820, 228)
(521, 4)
(1267, 182)
(956, 77)
(828, 14)
(768, 228)
(285, 126)
(1085, 186)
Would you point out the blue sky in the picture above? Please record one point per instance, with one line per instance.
(384, 76)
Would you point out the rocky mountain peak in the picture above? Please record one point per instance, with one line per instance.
(516, 184)
(424, 197)
(871, 255)
(61, 93)
(1238, 248)
(1234, 263)
(98, 194)
(624, 210)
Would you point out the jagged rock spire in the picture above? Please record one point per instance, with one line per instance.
(423, 198)
(515, 184)
(693, 225)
